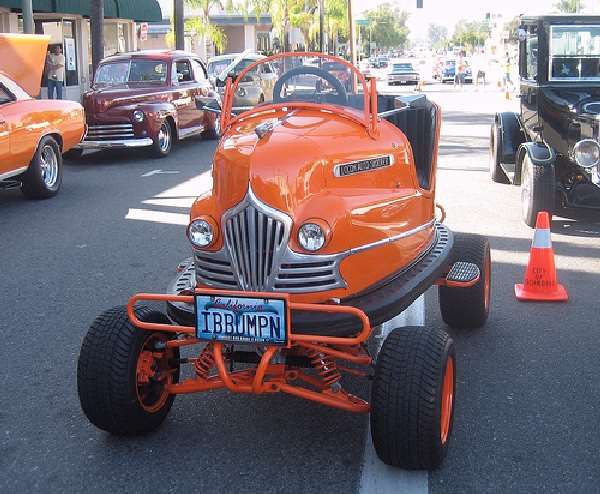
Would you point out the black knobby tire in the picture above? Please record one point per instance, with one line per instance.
(38, 182)
(496, 171)
(541, 181)
(468, 308)
(406, 398)
(160, 147)
(73, 154)
(107, 373)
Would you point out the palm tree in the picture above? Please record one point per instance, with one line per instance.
(201, 26)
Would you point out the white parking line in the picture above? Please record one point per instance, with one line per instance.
(376, 477)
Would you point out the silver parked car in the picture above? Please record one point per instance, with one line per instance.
(257, 85)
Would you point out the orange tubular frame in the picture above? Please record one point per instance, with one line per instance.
(370, 119)
(268, 377)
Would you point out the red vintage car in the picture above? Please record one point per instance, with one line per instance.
(146, 99)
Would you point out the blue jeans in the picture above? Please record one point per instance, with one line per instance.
(52, 85)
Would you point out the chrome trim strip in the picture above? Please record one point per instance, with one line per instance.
(110, 126)
(13, 173)
(391, 239)
(115, 143)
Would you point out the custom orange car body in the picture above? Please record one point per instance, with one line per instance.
(24, 120)
(293, 170)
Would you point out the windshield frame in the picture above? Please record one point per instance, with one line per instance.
(369, 116)
(129, 61)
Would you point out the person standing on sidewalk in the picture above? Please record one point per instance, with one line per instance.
(507, 71)
(479, 68)
(56, 72)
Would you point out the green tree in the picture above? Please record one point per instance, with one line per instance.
(387, 26)
(470, 33)
(569, 6)
(437, 35)
(201, 25)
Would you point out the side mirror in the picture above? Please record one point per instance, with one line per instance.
(211, 103)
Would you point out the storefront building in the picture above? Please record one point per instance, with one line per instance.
(67, 23)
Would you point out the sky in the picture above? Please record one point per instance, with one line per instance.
(449, 12)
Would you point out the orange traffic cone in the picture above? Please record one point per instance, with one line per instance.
(540, 278)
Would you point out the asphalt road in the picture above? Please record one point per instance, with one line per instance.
(527, 398)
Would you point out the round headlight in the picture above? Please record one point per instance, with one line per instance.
(587, 153)
(138, 116)
(200, 233)
(311, 236)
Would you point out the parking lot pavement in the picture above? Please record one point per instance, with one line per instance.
(527, 399)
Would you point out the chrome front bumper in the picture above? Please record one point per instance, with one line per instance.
(116, 143)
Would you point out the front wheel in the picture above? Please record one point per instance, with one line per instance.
(538, 189)
(163, 142)
(412, 398)
(123, 373)
(44, 175)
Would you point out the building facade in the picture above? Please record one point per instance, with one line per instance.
(67, 23)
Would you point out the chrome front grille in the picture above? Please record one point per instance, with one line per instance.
(255, 236)
(256, 255)
(106, 132)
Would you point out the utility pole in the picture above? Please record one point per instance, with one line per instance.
(27, 10)
(179, 25)
(97, 29)
(322, 26)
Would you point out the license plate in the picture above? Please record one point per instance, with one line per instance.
(242, 319)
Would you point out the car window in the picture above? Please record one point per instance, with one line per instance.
(266, 68)
(199, 72)
(575, 52)
(184, 71)
(5, 96)
(136, 71)
(531, 54)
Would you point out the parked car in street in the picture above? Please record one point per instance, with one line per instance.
(34, 133)
(449, 71)
(147, 99)
(382, 62)
(550, 148)
(402, 73)
(254, 89)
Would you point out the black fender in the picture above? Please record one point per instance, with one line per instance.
(539, 153)
(511, 135)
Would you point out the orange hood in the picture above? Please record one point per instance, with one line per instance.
(22, 58)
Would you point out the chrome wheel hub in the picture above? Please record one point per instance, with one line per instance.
(49, 166)
(164, 137)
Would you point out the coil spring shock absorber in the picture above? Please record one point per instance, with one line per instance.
(326, 368)
(205, 362)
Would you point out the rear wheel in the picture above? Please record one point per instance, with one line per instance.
(538, 189)
(496, 171)
(163, 142)
(468, 308)
(44, 175)
(123, 373)
(412, 398)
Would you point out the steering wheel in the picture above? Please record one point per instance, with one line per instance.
(339, 98)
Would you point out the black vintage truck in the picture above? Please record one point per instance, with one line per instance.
(551, 149)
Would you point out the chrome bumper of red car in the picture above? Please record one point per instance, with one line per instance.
(115, 143)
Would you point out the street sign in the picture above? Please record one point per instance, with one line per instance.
(144, 31)
(362, 22)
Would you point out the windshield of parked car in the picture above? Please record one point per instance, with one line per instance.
(575, 53)
(131, 71)
(292, 78)
(403, 67)
(218, 66)
(11, 90)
